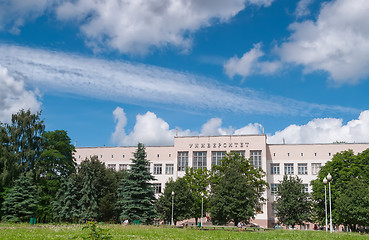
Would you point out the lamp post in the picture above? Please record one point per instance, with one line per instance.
(329, 178)
(172, 207)
(325, 181)
(202, 206)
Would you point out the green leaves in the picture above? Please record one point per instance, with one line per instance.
(293, 204)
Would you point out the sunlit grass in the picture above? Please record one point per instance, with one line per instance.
(65, 231)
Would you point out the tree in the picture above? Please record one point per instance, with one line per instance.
(352, 205)
(65, 204)
(88, 202)
(198, 182)
(344, 167)
(21, 202)
(236, 190)
(183, 201)
(55, 163)
(136, 192)
(25, 135)
(293, 204)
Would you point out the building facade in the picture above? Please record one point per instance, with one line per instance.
(303, 160)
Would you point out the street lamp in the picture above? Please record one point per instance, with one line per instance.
(202, 206)
(325, 181)
(329, 178)
(172, 207)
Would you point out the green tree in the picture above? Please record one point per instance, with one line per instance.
(236, 190)
(88, 202)
(293, 204)
(344, 167)
(55, 163)
(21, 202)
(198, 182)
(25, 135)
(136, 192)
(183, 201)
(352, 205)
(65, 204)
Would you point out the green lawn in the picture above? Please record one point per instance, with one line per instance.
(25, 231)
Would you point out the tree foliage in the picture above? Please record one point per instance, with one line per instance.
(198, 182)
(136, 192)
(293, 204)
(22, 200)
(183, 201)
(345, 167)
(236, 190)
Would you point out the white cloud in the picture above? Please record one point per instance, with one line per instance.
(337, 42)
(213, 128)
(14, 13)
(148, 129)
(133, 26)
(302, 8)
(326, 130)
(146, 85)
(152, 131)
(14, 96)
(250, 64)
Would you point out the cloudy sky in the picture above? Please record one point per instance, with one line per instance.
(113, 72)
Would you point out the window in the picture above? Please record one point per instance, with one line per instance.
(199, 160)
(302, 154)
(123, 155)
(288, 154)
(256, 158)
(288, 168)
(273, 154)
(302, 168)
(274, 188)
(182, 161)
(329, 154)
(158, 169)
(158, 155)
(169, 168)
(216, 157)
(157, 187)
(123, 167)
(315, 167)
(100, 156)
(242, 153)
(112, 156)
(112, 166)
(306, 188)
(315, 154)
(274, 168)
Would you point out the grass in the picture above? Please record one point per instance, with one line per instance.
(25, 231)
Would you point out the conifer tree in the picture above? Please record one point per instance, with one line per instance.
(88, 202)
(136, 193)
(21, 202)
(65, 204)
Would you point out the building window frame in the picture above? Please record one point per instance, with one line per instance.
(169, 168)
(157, 188)
(199, 160)
(256, 158)
(158, 169)
(182, 161)
(315, 168)
(289, 169)
(275, 169)
(216, 156)
(302, 168)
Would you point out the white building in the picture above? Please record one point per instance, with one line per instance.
(303, 160)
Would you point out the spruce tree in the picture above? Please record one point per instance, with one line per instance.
(136, 193)
(65, 204)
(21, 202)
(88, 202)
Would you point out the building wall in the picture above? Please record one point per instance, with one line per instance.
(304, 155)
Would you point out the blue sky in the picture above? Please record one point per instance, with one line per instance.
(118, 72)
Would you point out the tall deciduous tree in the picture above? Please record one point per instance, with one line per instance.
(183, 201)
(293, 204)
(198, 182)
(344, 167)
(136, 191)
(236, 190)
(21, 202)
